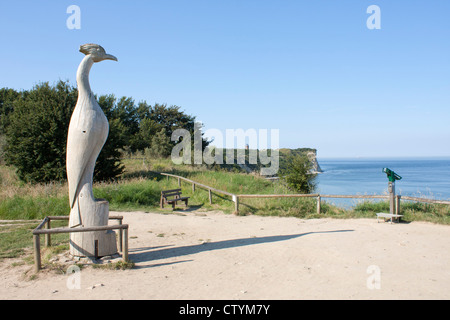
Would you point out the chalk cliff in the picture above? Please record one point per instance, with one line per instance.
(312, 155)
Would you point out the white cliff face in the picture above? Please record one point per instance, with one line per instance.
(88, 131)
(312, 156)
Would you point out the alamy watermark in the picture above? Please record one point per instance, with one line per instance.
(374, 20)
(268, 156)
(374, 278)
(74, 278)
(74, 20)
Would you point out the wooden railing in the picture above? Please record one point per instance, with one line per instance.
(310, 195)
(39, 230)
(210, 189)
(236, 197)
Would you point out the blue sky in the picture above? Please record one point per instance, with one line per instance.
(311, 69)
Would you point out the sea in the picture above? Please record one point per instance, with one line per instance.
(421, 177)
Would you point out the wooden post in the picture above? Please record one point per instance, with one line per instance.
(318, 204)
(120, 237)
(125, 245)
(179, 182)
(236, 204)
(391, 188)
(96, 249)
(193, 187)
(397, 204)
(210, 196)
(48, 241)
(37, 252)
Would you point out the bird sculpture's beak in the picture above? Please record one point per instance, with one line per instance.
(110, 57)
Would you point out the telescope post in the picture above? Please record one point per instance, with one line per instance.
(392, 176)
(391, 188)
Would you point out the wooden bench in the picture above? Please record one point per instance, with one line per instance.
(389, 216)
(172, 197)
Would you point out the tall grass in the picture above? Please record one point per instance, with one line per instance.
(28, 207)
(30, 201)
(411, 211)
(132, 194)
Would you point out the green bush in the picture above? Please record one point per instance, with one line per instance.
(295, 171)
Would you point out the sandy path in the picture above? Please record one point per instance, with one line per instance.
(216, 256)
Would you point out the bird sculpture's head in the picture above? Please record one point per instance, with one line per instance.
(97, 52)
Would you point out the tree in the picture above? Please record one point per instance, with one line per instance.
(108, 165)
(126, 112)
(36, 135)
(36, 122)
(147, 129)
(160, 145)
(171, 118)
(153, 119)
(296, 172)
(7, 98)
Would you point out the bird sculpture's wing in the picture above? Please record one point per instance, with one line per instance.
(77, 163)
(83, 148)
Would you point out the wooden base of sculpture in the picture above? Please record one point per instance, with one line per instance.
(96, 243)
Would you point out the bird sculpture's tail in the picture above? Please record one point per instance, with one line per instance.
(75, 216)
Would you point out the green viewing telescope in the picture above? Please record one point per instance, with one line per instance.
(392, 176)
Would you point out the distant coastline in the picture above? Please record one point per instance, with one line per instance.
(403, 158)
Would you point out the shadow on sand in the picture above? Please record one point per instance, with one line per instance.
(148, 254)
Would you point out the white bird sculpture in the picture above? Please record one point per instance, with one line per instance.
(88, 131)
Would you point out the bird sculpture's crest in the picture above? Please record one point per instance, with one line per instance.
(90, 48)
(96, 52)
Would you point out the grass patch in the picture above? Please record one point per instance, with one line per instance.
(29, 208)
(411, 211)
(119, 265)
(15, 239)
